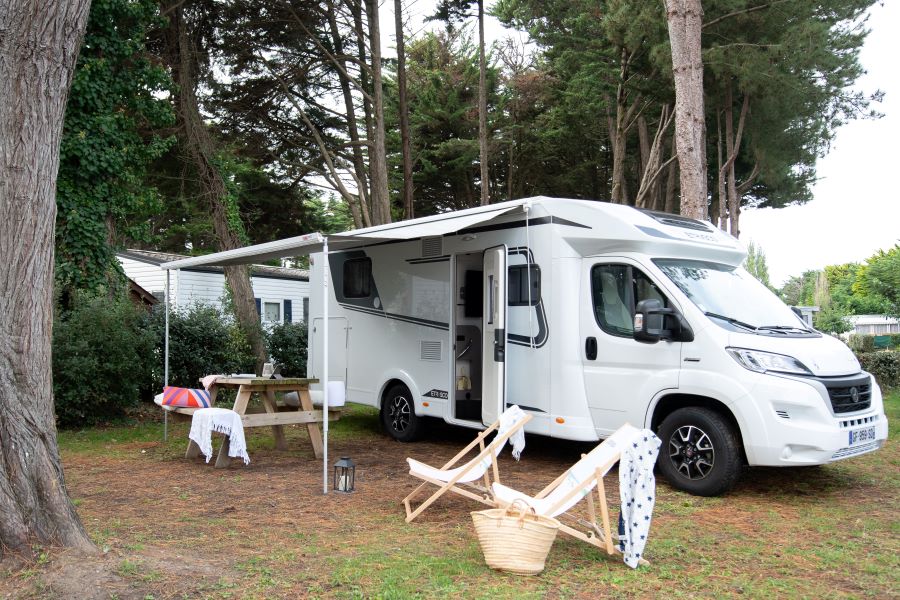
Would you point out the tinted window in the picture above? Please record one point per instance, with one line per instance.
(519, 280)
(357, 278)
(615, 290)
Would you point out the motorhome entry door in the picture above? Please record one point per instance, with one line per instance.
(493, 359)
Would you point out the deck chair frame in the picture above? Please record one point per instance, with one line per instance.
(476, 492)
(598, 535)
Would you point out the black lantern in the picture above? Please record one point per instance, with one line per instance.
(344, 475)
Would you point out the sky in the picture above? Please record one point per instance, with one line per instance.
(855, 209)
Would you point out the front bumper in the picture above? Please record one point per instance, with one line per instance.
(801, 427)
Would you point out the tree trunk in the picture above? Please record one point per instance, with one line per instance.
(651, 159)
(39, 45)
(482, 110)
(671, 199)
(200, 146)
(408, 205)
(357, 209)
(381, 199)
(685, 19)
(719, 207)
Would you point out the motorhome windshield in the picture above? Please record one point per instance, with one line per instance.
(729, 294)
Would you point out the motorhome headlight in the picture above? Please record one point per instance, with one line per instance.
(761, 362)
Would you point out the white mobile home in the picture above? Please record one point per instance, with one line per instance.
(281, 294)
(588, 315)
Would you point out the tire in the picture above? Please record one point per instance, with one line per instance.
(398, 414)
(700, 452)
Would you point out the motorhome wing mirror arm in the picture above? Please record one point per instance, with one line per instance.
(653, 322)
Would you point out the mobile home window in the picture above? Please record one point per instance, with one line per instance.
(519, 278)
(272, 312)
(357, 278)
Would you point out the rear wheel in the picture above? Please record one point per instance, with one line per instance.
(398, 414)
(700, 451)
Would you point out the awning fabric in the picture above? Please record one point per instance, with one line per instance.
(311, 243)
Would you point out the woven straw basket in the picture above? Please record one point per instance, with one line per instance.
(515, 539)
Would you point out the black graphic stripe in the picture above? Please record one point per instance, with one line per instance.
(404, 318)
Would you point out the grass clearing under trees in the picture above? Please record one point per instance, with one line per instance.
(171, 527)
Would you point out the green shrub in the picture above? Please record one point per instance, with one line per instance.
(102, 359)
(884, 365)
(861, 343)
(202, 341)
(287, 347)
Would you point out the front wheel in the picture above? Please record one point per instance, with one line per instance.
(700, 451)
(398, 414)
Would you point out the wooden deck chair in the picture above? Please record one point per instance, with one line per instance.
(576, 484)
(451, 478)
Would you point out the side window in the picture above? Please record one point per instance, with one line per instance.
(519, 278)
(615, 290)
(357, 278)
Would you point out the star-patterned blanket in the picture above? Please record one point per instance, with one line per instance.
(637, 489)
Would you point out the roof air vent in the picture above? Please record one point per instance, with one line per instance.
(432, 247)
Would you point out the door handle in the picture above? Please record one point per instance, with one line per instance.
(590, 348)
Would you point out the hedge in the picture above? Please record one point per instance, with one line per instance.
(884, 365)
(108, 354)
(103, 352)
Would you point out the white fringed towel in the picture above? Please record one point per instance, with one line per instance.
(508, 419)
(221, 420)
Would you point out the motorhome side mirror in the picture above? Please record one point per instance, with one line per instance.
(648, 321)
(653, 322)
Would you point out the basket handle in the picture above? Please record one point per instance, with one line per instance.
(522, 507)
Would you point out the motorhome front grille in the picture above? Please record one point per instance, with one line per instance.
(858, 422)
(430, 350)
(850, 398)
(432, 246)
(854, 450)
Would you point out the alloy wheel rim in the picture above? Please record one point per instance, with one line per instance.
(691, 452)
(399, 413)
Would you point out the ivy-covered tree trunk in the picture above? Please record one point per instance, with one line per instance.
(685, 19)
(199, 144)
(39, 44)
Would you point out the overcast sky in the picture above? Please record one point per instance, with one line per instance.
(855, 209)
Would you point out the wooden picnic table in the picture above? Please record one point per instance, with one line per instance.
(274, 416)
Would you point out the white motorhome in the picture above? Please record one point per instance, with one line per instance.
(589, 315)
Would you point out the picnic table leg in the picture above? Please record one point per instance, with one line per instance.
(240, 407)
(223, 460)
(315, 434)
(193, 450)
(277, 430)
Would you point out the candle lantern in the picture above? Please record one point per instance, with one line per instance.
(344, 475)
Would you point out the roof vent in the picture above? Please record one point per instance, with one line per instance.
(677, 220)
(432, 246)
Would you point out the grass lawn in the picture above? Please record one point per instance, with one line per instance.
(168, 527)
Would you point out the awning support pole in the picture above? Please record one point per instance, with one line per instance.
(325, 268)
(166, 359)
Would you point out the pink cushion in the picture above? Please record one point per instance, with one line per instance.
(185, 397)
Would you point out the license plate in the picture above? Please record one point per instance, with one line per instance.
(860, 436)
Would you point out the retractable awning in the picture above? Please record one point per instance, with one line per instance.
(312, 243)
